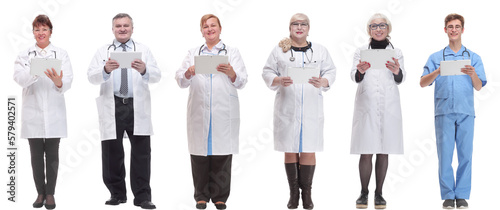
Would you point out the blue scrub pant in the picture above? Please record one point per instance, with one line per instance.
(451, 129)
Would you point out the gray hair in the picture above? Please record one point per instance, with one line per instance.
(381, 16)
(123, 15)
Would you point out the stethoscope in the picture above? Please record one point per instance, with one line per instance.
(34, 52)
(465, 51)
(221, 50)
(114, 46)
(369, 46)
(308, 47)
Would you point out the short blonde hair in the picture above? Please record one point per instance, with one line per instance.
(299, 16)
(381, 16)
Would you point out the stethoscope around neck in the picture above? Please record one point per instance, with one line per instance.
(34, 52)
(308, 47)
(218, 53)
(465, 51)
(114, 46)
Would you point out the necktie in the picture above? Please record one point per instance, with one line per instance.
(124, 80)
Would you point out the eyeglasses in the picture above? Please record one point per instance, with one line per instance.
(381, 26)
(295, 24)
(44, 30)
(450, 27)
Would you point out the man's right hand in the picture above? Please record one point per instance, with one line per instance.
(111, 65)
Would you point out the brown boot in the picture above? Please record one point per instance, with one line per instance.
(292, 172)
(306, 177)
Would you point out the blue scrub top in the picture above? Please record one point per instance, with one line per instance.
(454, 94)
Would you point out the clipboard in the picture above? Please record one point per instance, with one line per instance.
(40, 65)
(451, 68)
(207, 64)
(377, 57)
(301, 75)
(125, 59)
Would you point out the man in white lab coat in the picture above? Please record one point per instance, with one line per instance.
(124, 105)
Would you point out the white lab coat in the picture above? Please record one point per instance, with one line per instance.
(377, 124)
(216, 94)
(43, 112)
(142, 99)
(298, 105)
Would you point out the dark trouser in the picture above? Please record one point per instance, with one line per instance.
(211, 177)
(49, 147)
(113, 167)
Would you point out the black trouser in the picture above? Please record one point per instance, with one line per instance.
(113, 167)
(49, 147)
(211, 177)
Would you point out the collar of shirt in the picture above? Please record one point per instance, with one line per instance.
(43, 51)
(215, 49)
(129, 43)
(449, 52)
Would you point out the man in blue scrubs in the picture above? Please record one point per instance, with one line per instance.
(454, 112)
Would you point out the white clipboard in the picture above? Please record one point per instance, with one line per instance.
(301, 75)
(450, 68)
(125, 59)
(207, 64)
(377, 57)
(40, 65)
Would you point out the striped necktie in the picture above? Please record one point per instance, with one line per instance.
(124, 80)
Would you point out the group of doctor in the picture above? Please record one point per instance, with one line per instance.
(124, 106)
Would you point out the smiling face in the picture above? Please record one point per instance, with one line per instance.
(211, 31)
(123, 29)
(378, 34)
(454, 30)
(42, 35)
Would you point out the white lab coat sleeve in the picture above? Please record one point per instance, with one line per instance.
(180, 74)
(22, 72)
(328, 70)
(400, 57)
(154, 73)
(354, 69)
(239, 68)
(96, 68)
(270, 70)
(67, 70)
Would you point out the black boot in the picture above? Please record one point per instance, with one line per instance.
(306, 174)
(380, 202)
(292, 172)
(362, 202)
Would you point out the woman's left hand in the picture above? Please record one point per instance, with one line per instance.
(393, 66)
(318, 82)
(228, 70)
(56, 79)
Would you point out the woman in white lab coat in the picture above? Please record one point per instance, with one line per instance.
(43, 110)
(298, 108)
(377, 124)
(213, 117)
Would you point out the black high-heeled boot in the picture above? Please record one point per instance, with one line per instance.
(292, 172)
(306, 174)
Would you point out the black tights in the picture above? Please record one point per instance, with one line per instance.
(365, 171)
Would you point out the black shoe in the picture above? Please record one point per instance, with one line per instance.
(449, 204)
(50, 206)
(147, 205)
(220, 206)
(306, 174)
(462, 204)
(201, 205)
(37, 204)
(115, 201)
(379, 202)
(292, 173)
(50, 198)
(362, 202)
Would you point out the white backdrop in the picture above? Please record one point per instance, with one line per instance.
(255, 27)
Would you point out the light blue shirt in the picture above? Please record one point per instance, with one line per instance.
(454, 94)
(117, 75)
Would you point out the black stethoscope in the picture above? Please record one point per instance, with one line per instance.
(114, 46)
(308, 47)
(34, 52)
(465, 51)
(221, 50)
